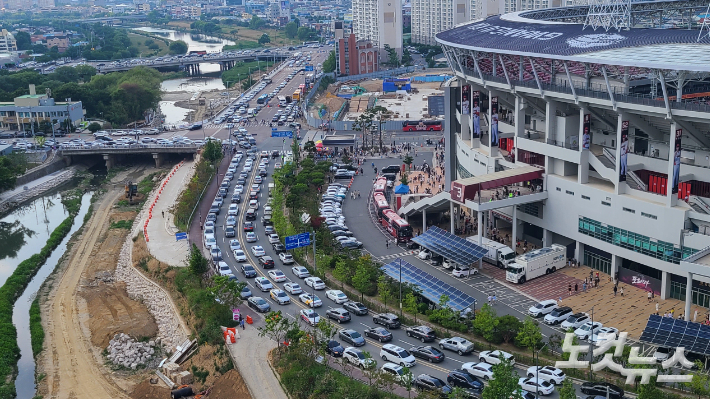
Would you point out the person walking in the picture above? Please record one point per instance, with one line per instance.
(575, 288)
(649, 299)
(241, 323)
(584, 286)
(569, 289)
(656, 307)
(614, 290)
(163, 213)
(621, 291)
(387, 243)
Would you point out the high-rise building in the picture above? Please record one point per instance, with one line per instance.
(485, 8)
(352, 56)
(379, 21)
(430, 17)
(7, 41)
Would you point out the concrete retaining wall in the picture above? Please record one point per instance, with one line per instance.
(41, 171)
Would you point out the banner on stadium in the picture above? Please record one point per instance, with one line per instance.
(587, 126)
(624, 150)
(466, 99)
(494, 121)
(676, 161)
(476, 102)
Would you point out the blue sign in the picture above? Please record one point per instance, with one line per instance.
(309, 68)
(300, 240)
(180, 236)
(283, 133)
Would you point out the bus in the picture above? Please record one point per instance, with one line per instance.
(282, 101)
(380, 184)
(395, 225)
(302, 88)
(296, 95)
(381, 204)
(411, 126)
(262, 99)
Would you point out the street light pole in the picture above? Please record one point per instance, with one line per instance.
(400, 288)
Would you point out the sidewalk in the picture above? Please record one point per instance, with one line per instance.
(161, 229)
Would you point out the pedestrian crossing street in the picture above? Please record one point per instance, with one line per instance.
(224, 125)
(395, 256)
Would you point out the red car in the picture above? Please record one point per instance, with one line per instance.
(248, 226)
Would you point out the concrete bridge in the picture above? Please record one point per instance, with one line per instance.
(191, 63)
(114, 155)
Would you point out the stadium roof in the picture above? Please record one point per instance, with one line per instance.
(653, 48)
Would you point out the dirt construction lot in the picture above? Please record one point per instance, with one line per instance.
(84, 309)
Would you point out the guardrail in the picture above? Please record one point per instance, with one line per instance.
(129, 146)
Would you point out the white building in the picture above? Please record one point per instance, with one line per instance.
(379, 21)
(608, 127)
(7, 41)
(430, 17)
(486, 8)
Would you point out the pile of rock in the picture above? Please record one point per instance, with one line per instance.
(127, 352)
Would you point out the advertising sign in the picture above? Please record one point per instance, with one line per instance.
(587, 126)
(624, 150)
(476, 103)
(639, 280)
(466, 99)
(676, 161)
(494, 121)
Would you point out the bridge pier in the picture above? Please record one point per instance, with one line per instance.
(159, 159)
(67, 160)
(110, 161)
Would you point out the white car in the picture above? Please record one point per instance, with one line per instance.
(253, 204)
(424, 254)
(336, 296)
(240, 256)
(277, 275)
(495, 357)
(293, 288)
(481, 370)
(547, 373)
(463, 271)
(286, 259)
(604, 334)
(257, 250)
(279, 297)
(274, 238)
(587, 329)
(310, 300)
(263, 284)
(357, 358)
(233, 210)
(238, 189)
(300, 271)
(575, 321)
(224, 269)
(558, 315)
(315, 282)
(310, 316)
(542, 308)
(540, 386)
(394, 370)
(234, 245)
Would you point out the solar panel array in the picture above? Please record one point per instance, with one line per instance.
(451, 247)
(431, 287)
(673, 333)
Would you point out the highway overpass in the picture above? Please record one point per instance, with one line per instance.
(192, 63)
(114, 155)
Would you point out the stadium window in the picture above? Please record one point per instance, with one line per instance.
(628, 210)
(606, 203)
(648, 215)
(585, 197)
(559, 189)
(569, 192)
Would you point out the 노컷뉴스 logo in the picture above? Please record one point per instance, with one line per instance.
(608, 360)
(595, 40)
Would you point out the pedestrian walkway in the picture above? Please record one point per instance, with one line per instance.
(161, 228)
(395, 256)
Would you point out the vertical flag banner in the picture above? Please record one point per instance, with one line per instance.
(676, 161)
(494, 121)
(466, 99)
(476, 114)
(624, 146)
(586, 137)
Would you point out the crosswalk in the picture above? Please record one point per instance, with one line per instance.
(395, 256)
(234, 127)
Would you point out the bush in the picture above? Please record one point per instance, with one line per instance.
(36, 330)
(204, 171)
(94, 127)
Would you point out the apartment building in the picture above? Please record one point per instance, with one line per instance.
(429, 17)
(379, 21)
(7, 41)
(352, 56)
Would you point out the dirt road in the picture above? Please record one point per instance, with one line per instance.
(72, 370)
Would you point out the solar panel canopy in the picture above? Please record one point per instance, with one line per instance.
(673, 333)
(450, 246)
(431, 287)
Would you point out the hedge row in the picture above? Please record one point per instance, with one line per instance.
(36, 330)
(9, 293)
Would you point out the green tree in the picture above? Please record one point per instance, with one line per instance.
(197, 263)
(408, 161)
(178, 47)
(148, 42)
(94, 127)
(256, 23)
(392, 57)
(411, 304)
(649, 391)
(329, 63)
(85, 72)
(567, 390)
(504, 383)
(276, 326)
(530, 335)
(23, 40)
(303, 33)
(365, 275)
(264, 39)
(486, 322)
(343, 271)
(227, 291)
(700, 384)
(212, 151)
(404, 179)
(384, 289)
(508, 327)
(291, 29)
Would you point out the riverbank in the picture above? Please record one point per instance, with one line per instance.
(13, 198)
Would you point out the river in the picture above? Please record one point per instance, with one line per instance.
(174, 115)
(27, 229)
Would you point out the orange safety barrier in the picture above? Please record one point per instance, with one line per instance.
(249, 320)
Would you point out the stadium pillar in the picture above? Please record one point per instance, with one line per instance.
(423, 220)
(546, 237)
(514, 237)
(621, 184)
(579, 252)
(688, 295)
(481, 229)
(583, 172)
(493, 149)
(672, 198)
(451, 214)
(665, 285)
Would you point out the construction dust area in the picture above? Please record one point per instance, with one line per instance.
(349, 99)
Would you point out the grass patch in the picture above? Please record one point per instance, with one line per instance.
(121, 224)
(188, 199)
(155, 47)
(240, 72)
(36, 330)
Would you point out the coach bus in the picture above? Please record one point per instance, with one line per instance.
(381, 204)
(380, 184)
(282, 101)
(262, 99)
(412, 126)
(395, 225)
(296, 95)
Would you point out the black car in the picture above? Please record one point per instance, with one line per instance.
(600, 389)
(355, 307)
(236, 199)
(386, 319)
(262, 173)
(266, 220)
(248, 271)
(250, 214)
(379, 333)
(334, 348)
(275, 118)
(266, 262)
(426, 382)
(258, 304)
(390, 169)
(428, 353)
(248, 226)
(275, 154)
(338, 314)
(278, 248)
(412, 245)
(422, 333)
(462, 379)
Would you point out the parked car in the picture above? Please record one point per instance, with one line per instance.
(575, 321)
(423, 333)
(334, 348)
(395, 354)
(310, 316)
(428, 353)
(542, 308)
(293, 288)
(300, 271)
(587, 329)
(379, 333)
(457, 344)
(279, 296)
(426, 382)
(387, 319)
(558, 315)
(259, 304)
(393, 370)
(495, 357)
(248, 271)
(540, 386)
(481, 370)
(267, 263)
(601, 389)
(357, 357)
(352, 337)
(462, 379)
(263, 284)
(547, 373)
(286, 259)
(315, 282)
(336, 296)
(310, 300)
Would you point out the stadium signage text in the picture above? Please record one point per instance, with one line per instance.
(513, 32)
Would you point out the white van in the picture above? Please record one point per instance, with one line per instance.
(397, 355)
(251, 112)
